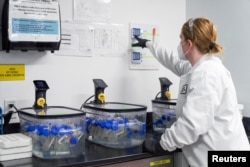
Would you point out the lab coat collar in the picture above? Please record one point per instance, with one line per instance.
(202, 59)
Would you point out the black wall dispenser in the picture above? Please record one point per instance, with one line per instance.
(31, 25)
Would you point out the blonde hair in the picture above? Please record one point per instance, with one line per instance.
(203, 34)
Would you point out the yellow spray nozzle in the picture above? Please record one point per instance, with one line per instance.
(40, 102)
(101, 97)
(168, 95)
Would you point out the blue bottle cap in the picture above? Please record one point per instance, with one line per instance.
(102, 123)
(121, 121)
(73, 140)
(54, 130)
(30, 128)
(46, 132)
(108, 125)
(163, 117)
(89, 121)
(39, 130)
(159, 122)
(115, 125)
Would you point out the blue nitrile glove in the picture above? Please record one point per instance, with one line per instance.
(152, 146)
(141, 42)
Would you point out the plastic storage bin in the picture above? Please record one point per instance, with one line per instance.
(116, 125)
(58, 132)
(164, 114)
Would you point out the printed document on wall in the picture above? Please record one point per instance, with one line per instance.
(109, 39)
(77, 39)
(92, 10)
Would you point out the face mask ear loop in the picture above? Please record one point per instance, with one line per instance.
(186, 42)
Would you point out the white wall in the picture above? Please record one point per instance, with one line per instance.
(232, 20)
(70, 78)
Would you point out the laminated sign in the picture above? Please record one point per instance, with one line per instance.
(32, 21)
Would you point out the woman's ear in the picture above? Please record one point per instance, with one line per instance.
(190, 43)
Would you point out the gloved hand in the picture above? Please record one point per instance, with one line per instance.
(141, 42)
(152, 146)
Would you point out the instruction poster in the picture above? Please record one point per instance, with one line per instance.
(142, 58)
(34, 20)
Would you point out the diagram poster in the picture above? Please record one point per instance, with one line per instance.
(77, 40)
(109, 39)
(142, 58)
(89, 39)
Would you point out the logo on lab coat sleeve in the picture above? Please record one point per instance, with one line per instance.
(184, 89)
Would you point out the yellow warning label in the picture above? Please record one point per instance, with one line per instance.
(10, 72)
(160, 162)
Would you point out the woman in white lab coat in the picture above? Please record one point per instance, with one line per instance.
(208, 116)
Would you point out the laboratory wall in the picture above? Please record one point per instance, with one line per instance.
(70, 77)
(232, 20)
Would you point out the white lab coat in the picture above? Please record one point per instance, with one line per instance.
(207, 114)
